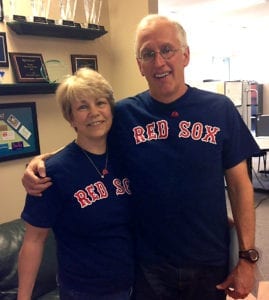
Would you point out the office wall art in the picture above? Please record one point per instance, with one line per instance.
(3, 50)
(28, 67)
(80, 60)
(1, 11)
(18, 131)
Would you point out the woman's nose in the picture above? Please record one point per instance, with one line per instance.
(93, 111)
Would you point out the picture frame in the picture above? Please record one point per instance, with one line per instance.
(82, 60)
(3, 50)
(28, 67)
(1, 11)
(18, 131)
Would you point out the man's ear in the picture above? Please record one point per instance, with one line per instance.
(186, 55)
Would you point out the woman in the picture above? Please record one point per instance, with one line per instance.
(87, 206)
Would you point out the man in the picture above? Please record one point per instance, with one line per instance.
(177, 144)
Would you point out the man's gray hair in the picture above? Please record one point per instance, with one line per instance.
(153, 18)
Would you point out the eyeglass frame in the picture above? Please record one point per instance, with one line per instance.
(154, 53)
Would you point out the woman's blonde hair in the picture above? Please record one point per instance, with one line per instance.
(84, 83)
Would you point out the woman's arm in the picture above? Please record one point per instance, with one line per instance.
(30, 257)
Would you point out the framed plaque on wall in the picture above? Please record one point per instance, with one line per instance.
(28, 67)
(3, 50)
(1, 11)
(18, 131)
(80, 61)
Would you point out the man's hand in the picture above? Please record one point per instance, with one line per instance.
(241, 280)
(34, 178)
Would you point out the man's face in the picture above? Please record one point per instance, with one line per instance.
(165, 77)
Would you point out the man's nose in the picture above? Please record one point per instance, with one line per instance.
(158, 59)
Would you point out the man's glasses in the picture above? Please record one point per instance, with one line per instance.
(148, 56)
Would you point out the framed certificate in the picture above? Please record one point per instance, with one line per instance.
(28, 67)
(3, 50)
(1, 11)
(18, 131)
(80, 61)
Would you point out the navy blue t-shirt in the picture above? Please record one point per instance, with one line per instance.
(90, 217)
(176, 155)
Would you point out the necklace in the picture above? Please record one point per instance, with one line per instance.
(104, 171)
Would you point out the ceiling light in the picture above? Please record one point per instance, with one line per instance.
(218, 6)
(228, 5)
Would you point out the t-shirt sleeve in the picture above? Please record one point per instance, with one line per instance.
(239, 143)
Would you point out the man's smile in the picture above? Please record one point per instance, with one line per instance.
(162, 75)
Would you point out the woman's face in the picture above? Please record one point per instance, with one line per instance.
(91, 118)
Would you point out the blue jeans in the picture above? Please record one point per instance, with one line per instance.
(166, 282)
(74, 295)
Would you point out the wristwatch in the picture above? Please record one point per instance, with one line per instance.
(252, 255)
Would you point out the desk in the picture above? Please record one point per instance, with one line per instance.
(263, 143)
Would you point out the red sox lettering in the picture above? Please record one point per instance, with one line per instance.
(98, 191)
(160, 130)
(155, 130)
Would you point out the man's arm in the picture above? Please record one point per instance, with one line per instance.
(240, 191)
(34, 178)
(30, 257)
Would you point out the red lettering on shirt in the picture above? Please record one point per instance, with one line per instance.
(163, 129)
(119, 187)
(139, 134)
(122, 187)
(197, 131)
(82, 198)
(98, 191)
(210, 136)
(101, 189)
(91, 192)
(153, 131)
(150, 131)
(126, 184)
(160, 130)
(184, 129)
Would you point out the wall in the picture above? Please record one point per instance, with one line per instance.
(124, 16)
(116, 62)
